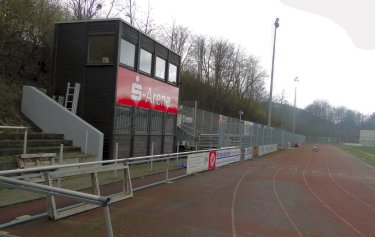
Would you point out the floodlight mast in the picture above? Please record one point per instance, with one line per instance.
(294, 109)
(271, 86)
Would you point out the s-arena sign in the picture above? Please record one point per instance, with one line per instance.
(134, 89)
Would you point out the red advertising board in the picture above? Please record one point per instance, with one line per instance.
(134, 89)
(212, 160)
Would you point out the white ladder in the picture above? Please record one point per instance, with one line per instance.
(71, 98)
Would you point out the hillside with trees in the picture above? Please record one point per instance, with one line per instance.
(220, 75)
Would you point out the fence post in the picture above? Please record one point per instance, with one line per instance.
(116, 157)
(61, 154)
(60, 162)
(152, 156)
(87, 137)
(25, 141)
(241, 130)
(108, 223)
(167, 172)
(195, 118)
(178, 150)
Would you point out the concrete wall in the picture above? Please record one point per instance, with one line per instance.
(51, 117)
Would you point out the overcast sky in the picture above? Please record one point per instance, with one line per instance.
(313, 47)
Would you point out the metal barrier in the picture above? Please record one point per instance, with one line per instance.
(104, 201)
(55, 191)
(24, 136)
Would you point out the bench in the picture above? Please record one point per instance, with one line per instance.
(35, 160)
(25, 161)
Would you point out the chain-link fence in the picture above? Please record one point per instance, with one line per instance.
(204, 129)
(325, 140)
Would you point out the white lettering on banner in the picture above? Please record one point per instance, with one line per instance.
(224, 157)
(157, 99)
(136, 90)
(248, 153)
(197, 162)
(153, 98)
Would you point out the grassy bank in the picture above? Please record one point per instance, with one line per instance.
(364, 152)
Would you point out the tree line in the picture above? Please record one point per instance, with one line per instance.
(347, 122)
(26, 41)
(221, 75)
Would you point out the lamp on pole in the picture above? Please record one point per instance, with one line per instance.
(294, 109)
(271, 87)
(241, 129)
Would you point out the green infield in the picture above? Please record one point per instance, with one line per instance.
(364, 152)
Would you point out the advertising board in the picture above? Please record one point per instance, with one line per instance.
(224, 157)
(201, 162)
(197, 162)
(134, 89)
(248, 153)
(265, 149)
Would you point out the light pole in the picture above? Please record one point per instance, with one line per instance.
(273, 60)
(241, 129)
(294, 109)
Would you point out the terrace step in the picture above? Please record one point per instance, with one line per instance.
(49, 149)
(33, 143)
(30, 136)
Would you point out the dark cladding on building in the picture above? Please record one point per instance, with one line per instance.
(128, 84)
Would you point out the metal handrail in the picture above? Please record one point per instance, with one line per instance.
(54, 167)
(56, 191)
(51, 191)
(24, 136)
(195, 130)
(88, 198)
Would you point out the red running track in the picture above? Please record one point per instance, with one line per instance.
(288, 193)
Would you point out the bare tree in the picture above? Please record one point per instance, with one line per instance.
(321, 109)
(84, 9)
(179, 39)
(146, 25)
(130, 10)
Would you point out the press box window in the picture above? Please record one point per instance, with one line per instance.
(100, 49)
(145, 61)
(160, 68)
(172, 73)
(127, 55)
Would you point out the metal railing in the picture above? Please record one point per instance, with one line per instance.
(52, 117)
(24, 136)
(56, 191)
(11, 178)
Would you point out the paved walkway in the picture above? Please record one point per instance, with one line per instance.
(288, 193)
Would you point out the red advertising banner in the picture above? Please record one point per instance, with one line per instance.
(212, 160)
(137, 90)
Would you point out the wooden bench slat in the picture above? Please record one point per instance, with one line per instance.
(37, 155)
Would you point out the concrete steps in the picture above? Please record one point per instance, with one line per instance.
(33, 143)
(11, 145)
(38, 149)
(30, 136)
